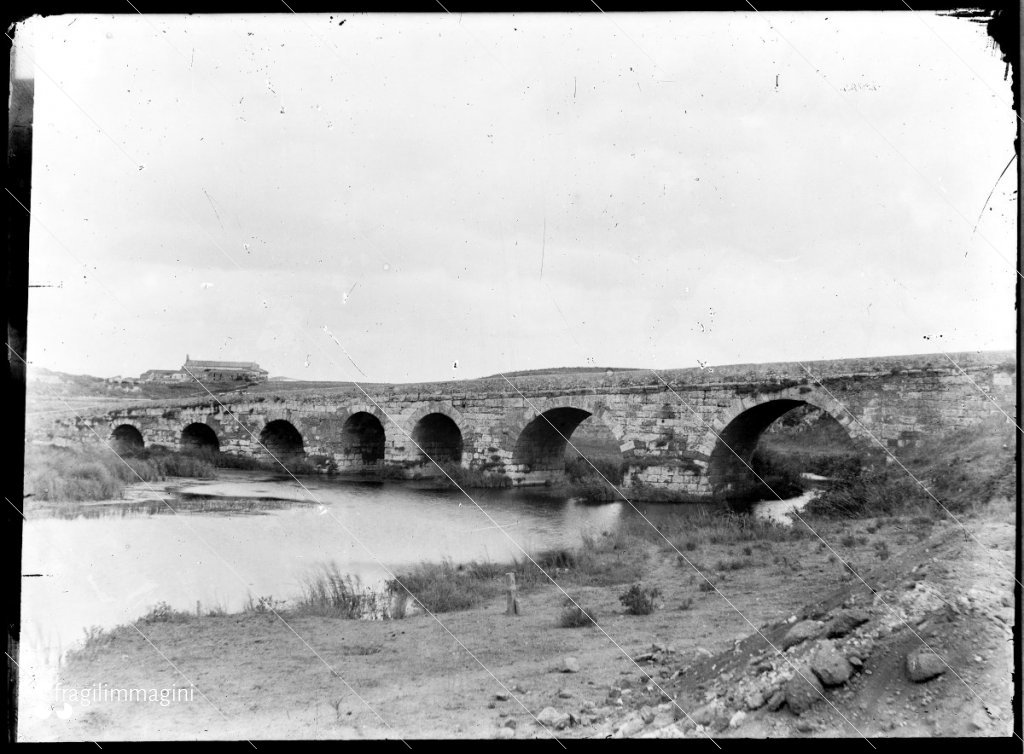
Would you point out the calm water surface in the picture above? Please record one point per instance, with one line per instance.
(248, 535)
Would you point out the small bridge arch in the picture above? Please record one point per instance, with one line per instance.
(126, 438)
(281, 439)
(198, 436)
(363, 437)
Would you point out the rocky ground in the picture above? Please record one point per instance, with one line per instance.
(924, 648)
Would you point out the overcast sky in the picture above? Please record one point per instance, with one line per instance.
(515, 192)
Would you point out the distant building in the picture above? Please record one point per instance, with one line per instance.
(220, 371)
(163, 375)
(208, 371)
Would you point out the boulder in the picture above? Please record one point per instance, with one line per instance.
(549, 717)
(829, 665)
(569, 665)
(711, 713)
(923, 664)
(737, 719)
(803, 690)
(844, 621)
(754, 700)
(802, 631)
(633, 725)
(647, 715)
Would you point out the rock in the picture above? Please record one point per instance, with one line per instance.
(803, 690)
(670, 731)
(643, 657)
(505, 733)
(754, 700)
(844, 621)
(587, 705)
(549, 717)
(663, 719)
(564, 694)
(923, 665)
(647, 715)
(708, 713)
(775, 701)
(804, 726)
(631, 727)
(855, 661)
(829, 665)
(510, 723)
(979, 720)
(501, 696)
(569, 665)
(805, 629)
(737, 720)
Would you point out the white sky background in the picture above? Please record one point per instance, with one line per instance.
(515, 192)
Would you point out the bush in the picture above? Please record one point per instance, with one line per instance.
(640, 600)
(332, 593)
(572, 616)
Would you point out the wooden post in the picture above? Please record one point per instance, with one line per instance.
(511, 602)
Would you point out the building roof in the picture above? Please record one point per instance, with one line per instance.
(251, 365)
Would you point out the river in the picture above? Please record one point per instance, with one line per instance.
(218, 543)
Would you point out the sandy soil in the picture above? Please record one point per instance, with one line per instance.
(312, 678)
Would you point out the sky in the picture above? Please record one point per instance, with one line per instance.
(426, 197)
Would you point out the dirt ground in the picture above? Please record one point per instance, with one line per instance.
(699, 666)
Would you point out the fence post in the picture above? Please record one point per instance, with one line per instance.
(511, 601)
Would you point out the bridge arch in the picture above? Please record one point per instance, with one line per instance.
(439, 437)
(363, 436)
(126, 438)
(282, 439)
(737, 429)
(541, 442)
(199, 437)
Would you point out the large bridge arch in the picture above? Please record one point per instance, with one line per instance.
(542, 436)
(730, 442)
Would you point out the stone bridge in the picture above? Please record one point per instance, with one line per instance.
(689, 431)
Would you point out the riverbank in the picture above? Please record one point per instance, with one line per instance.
(321, 677)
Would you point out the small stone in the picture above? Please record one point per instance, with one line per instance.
(855, 661)
(552, 718)
(737, 720)
(754, 700)
(501, 696)
(570, 665)
(979, 658)
(923, 664)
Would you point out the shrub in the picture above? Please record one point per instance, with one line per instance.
(572, 616)
(640, 600)
(332, 593)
